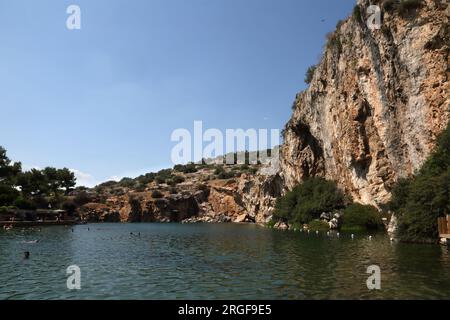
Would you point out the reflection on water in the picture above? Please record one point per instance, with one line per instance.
(171, 261)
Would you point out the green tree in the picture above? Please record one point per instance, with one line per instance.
(308, 200)
(420, 200)
(33, 182)
(8, 179)
(361, 217)
(8, 195)
(310, 74)
(33, 188)
(66, 179)
(8, 170)
(52, 180)
(136, 210)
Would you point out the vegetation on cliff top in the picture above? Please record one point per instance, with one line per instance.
(420, 200)
(310, 74)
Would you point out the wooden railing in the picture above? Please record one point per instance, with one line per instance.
(444, 226)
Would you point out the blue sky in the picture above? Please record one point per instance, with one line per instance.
(105, 99)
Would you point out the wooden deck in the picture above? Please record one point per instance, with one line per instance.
(444, 227)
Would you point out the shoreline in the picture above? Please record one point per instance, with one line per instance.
(36, 223)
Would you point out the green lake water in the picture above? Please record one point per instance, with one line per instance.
(223, 261)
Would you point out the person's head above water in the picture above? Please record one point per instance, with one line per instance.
(26, 254)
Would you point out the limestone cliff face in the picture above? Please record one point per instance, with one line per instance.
(375, 105)
(259, 193)
(371, 114)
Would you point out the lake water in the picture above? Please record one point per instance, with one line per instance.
(174, 261)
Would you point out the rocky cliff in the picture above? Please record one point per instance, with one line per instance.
(210, 193)
(376, 102)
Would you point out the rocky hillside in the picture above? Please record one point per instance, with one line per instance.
(192, 193)
(376, 102)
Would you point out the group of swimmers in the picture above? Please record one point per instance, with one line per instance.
(26, 254)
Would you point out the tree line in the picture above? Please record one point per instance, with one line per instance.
(33, 189)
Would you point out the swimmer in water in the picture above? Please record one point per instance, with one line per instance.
(31, 242)
(26, 255)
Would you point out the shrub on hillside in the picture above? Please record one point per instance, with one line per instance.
(317, 225)
(308, 200)
(136, 210)
(389, 5)
(140, 187)
(160, 180)
(357, 13)
(226, 175)
(310, 74)
(127, 183)
(178, 179)
(157, 194)
(147, 178)
(223, 174)
(405, 5)
(163, 175)
(420, 200)
(188, 168)
(82, 198)
(334, 41)
(361, 217)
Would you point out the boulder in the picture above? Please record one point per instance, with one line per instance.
(281, 226)
(334, 223)
(241, 218)
(325, 216)
(223, 219)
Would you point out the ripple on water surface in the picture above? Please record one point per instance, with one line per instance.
(172, 261)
